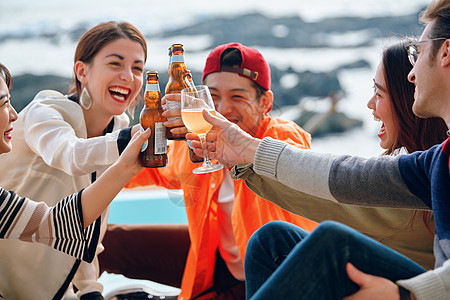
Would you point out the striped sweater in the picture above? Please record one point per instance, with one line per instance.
(60, 227)
(420, 180)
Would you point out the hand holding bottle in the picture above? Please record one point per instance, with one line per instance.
(154, 152)
(173, 115)
(177, 82)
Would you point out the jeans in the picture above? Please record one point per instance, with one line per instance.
(284, 261)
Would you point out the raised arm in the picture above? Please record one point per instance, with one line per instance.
(67, 225)
(345, 179)
(97, 196)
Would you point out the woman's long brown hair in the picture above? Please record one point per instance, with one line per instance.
(414, 133)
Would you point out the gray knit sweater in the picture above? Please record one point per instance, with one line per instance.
(354, 180)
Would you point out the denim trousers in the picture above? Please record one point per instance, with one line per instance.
(284, 261)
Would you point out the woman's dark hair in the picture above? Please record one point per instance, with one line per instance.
(4, 72)
(232, 57)
(98, 37)
(414, 133)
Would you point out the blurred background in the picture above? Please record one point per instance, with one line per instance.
(323, 54)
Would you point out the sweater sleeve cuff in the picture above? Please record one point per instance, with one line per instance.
(266, 157)
(427, 285)
(90, 235)
(123, 139)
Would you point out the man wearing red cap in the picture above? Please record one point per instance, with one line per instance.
(222, 213)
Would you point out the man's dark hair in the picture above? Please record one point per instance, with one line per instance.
(438, 11)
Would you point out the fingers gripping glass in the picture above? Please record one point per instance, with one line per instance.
(413, 52)
(193, 102)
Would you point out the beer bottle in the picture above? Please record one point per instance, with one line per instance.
(176, 82)
(194, 158)
(190, 81)
(170, 60)
(154, 151)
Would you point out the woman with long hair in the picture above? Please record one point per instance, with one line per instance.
(63, 143)
(401, 130)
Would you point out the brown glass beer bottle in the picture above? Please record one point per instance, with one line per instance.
(190, 81)
(176, 82)
(154, 151)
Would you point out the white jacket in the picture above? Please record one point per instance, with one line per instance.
(51, 158)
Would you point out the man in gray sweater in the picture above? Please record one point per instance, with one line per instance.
(418, 180)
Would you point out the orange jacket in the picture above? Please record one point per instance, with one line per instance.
(249, 212)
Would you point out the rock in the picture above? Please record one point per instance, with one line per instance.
(293, 32)
(260, 30)
(310, 84)
(359, 64)
(335, 123)
(27, 86)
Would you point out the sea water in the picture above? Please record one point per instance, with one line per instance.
(34, 54)
(40, 55)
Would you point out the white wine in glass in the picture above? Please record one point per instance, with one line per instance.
(194, 121)
(193, 102)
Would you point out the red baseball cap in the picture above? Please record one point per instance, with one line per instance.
(253, 65)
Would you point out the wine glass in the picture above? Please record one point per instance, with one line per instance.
(193, 101)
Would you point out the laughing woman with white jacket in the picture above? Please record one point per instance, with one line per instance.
(62, 143)
(72, 226)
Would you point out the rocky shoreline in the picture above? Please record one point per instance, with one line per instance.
(257, 30)
(310, 84)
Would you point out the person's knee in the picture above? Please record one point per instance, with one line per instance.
(271, 227)
(264, 234)
(276, 236)
(274, 230)
(331, 226)
(332, 230)
(280, 228)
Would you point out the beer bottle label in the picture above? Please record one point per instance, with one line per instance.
(177, 58)
(160, 138)
(145, 144)
(152, 87)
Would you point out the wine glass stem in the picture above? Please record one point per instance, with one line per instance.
(206, 160)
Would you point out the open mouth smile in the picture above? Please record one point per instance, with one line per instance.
(382, 129)
(119, 93)
(7, 133)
